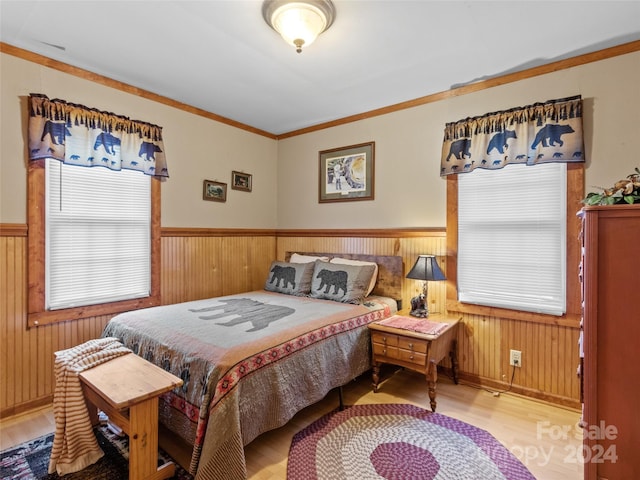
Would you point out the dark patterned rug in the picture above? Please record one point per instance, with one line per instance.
(30, 460)
(398, 441)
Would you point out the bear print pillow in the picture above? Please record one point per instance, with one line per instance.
(341, 282)
(290, 278)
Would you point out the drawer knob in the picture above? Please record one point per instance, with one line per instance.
(384, 339)
(411, 357)
(411, 346)
(384, 351)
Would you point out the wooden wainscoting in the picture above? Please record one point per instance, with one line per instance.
(26, 355)
(196, 263)
(201, 263)
(205, 263)
(550, 352)
(407, 243)
(550, 357)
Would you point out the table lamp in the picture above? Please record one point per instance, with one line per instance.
(426, 268)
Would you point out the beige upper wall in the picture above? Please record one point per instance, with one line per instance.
(408, 189)
(196, 148)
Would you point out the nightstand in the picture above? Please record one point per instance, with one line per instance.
(416, 351)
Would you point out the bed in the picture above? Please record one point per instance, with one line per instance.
(251, 361)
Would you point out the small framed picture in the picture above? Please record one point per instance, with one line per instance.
(241, 181)
(214, 191)
(346, 173)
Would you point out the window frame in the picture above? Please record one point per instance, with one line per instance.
(37, 315)
(575, 193)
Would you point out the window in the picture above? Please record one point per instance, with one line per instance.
(90, 252)
(574, 194)
(512, 238)
(98, 230)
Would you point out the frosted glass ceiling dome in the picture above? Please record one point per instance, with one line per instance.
(299, 22)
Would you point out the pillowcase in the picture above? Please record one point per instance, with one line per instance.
(290, 278)
(297, 258)
(347, 261)
(340, 282)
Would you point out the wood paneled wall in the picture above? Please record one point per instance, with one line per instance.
(195, 267)
(26, 355)
(204, 263)
(406, 244)
(195, 264)
(550, 353)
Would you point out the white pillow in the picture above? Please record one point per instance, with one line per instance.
(347, 261)
(297, 258)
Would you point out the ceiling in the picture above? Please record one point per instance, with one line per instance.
(220, 55)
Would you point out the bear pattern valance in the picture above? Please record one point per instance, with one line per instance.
(538, 133)
(78, 135)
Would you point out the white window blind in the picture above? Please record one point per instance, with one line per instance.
(512, 237)
(98, 235)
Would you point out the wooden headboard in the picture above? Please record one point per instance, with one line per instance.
(390, 271)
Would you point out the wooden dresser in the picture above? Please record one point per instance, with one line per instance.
(610, 273)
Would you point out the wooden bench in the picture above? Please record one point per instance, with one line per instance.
(127, 390)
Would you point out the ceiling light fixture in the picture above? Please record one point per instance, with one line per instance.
(299, 22)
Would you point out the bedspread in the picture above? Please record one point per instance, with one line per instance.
(249, 362)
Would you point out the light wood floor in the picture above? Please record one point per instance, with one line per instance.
(544, 437)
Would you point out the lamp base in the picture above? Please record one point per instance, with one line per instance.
(419, 307)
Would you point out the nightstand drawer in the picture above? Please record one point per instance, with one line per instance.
(397, 341)
(413, 344)
(384, 338)
(385, 350)
(410, 356)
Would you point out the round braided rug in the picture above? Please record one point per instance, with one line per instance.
(398, 442)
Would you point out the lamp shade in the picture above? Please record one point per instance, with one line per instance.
(298, 22)
(426, 268)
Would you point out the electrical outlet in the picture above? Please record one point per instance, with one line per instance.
(515, 358)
